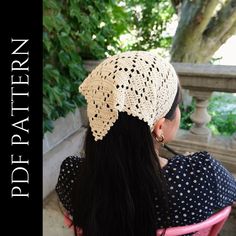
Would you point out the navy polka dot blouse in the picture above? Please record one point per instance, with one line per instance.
(198, 185)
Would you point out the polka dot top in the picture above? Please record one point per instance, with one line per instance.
(198, 185)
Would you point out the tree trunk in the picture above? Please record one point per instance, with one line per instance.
(203, 27)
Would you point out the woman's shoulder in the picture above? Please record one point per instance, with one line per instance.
(196, 163)
(69, 170)
(201, 157)
(72, 160)
(70, 166)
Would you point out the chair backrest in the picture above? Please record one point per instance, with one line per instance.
(209, 227)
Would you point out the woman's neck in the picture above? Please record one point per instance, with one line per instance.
(163, 161)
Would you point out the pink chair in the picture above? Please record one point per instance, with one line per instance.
(69, 223)
(209, 227)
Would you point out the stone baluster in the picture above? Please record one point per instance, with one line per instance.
(200, 117)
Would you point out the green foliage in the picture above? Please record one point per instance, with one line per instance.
(222, 109)
(74, 30)
(77, 30)
(186, 122)
(148, 22)
(63, 70)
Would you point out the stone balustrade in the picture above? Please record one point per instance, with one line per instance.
(201, 80)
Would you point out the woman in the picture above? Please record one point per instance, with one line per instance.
(122, 186)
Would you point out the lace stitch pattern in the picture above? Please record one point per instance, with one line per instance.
(137, 82)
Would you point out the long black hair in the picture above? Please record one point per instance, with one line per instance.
(116, 185)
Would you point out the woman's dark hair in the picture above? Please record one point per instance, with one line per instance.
(115, 189)
(178, 98)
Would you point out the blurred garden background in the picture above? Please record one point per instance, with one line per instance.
(182, 31)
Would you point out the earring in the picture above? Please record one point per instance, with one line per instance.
(160, 139)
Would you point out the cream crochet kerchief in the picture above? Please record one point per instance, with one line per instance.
(137, 82)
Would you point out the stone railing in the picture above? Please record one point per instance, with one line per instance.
(66, 139)
(201, 80)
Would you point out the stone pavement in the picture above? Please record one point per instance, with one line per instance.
(53, 224)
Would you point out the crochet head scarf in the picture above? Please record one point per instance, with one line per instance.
(137, 82)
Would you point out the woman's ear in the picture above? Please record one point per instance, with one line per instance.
(158, 128)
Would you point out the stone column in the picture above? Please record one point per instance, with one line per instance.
(200, 117)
